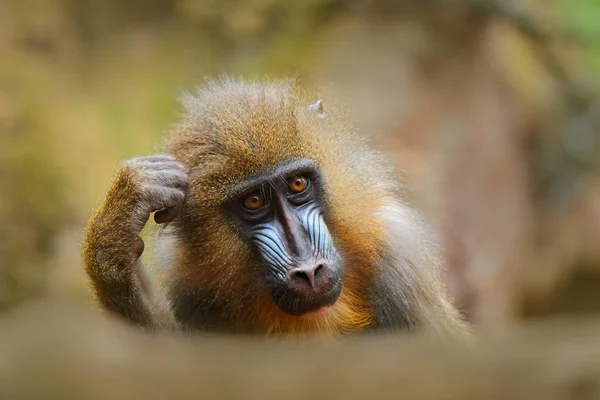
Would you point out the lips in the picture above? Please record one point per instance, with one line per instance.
(299, 305)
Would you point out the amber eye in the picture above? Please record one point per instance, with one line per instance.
(298, 184)
(254, 201)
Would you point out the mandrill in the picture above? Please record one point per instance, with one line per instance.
(275, 219)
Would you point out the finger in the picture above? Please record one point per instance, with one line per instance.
(158, 197)
(140, 217)
(157, 158)
(165, 165)
(166, 215)
(170, 179)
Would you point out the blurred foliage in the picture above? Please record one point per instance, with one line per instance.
(581, 18)
(31, 201)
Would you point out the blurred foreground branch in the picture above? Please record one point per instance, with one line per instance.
(58, 351)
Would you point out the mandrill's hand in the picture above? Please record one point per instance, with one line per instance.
(149, 184)
(142, 185)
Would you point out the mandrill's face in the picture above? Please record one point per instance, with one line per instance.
(281, 215)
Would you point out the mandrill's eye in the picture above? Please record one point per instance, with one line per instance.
(298, 184)
(254, 201)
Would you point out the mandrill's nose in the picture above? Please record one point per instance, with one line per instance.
(311, 279)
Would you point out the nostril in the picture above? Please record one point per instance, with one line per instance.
(319, 268)
(313, 276)
(303, 276)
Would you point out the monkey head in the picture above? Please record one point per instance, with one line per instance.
(281, 200)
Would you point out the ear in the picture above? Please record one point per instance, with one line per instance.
(317, 107)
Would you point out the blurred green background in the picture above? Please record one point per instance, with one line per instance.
(488, 108)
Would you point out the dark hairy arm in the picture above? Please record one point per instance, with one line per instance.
(112, 245)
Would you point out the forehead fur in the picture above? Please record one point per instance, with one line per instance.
(233, 129)
(238, 128)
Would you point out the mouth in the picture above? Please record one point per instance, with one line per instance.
(308, 306)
